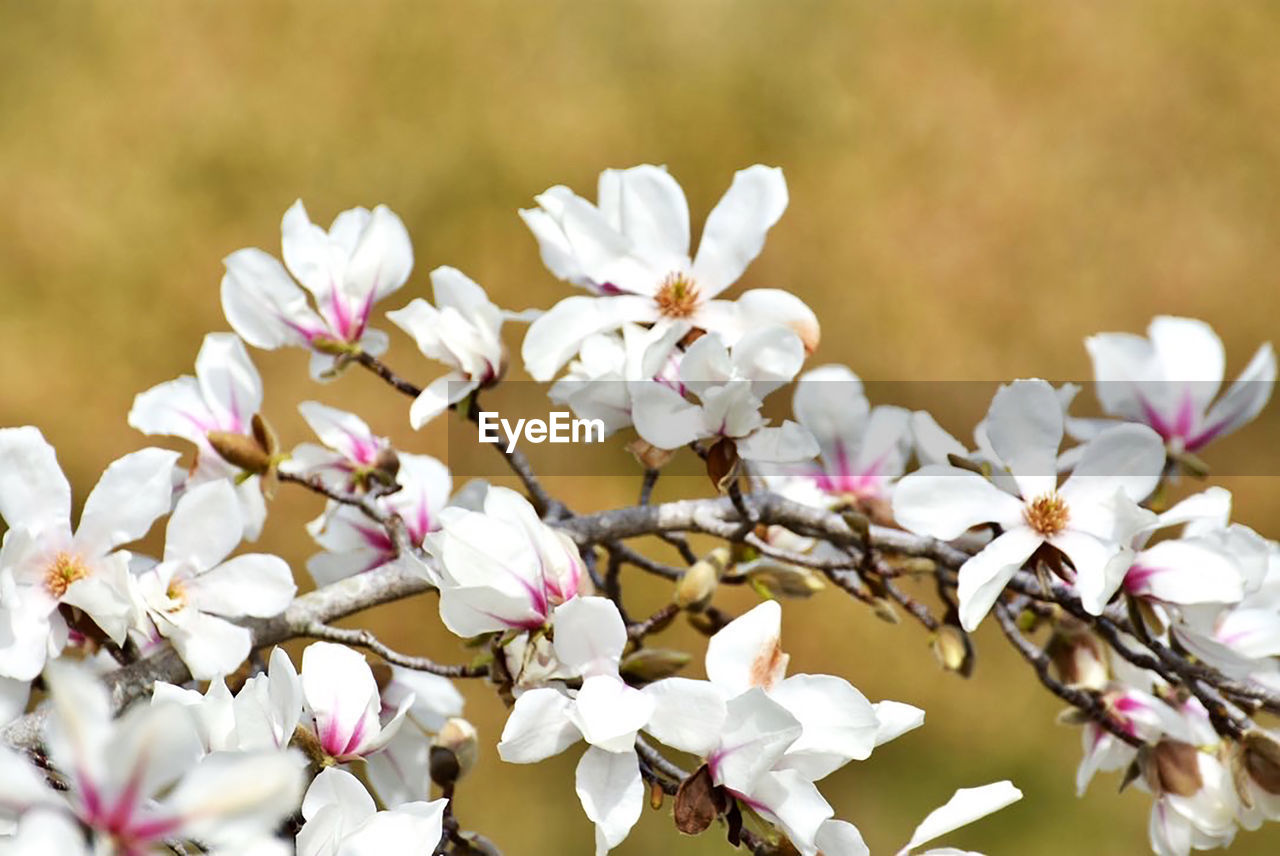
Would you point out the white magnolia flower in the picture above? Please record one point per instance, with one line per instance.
(1090, 519)
(365, 256)
(1169, 380)
(46, 565)
(765, 737)
(145, 778)
(730, 385)
(863, 449)
(351, 457)
(268, 707)
(463, 331)
(605, 712)
(1202, 820)
(342, 705)
(354, 544)
(502, 568)
(192, 593)
(342, 820)
(631, 250)
(224, 395)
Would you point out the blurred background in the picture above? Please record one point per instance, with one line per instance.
(975, 187)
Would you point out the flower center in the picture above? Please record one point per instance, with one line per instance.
(677, 297)
(62, 572)
(177, 595)
(1047, 514)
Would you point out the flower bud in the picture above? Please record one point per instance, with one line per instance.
(241, 451)
(453, 752)
(1261, 755)
(1079, 659)
(723, 463)
(954, 651)
(698, 584)
(1174, 768)
(652, 664)
(783, 579)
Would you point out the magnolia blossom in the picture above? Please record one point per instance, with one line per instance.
(43, 564)
(1169, 380)
(863, 449)
(342, 820)
(463, 331)
(352, 458)
(730, 385)
(767, 738)
(341, 703)
(193, 592)
(145, 778)
(224, 395)
(605, 712)
(631, 250)
(502, 568)
(354, 544)
(1090, 519)
(365, 256)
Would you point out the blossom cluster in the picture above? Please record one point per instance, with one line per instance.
(1163, 616)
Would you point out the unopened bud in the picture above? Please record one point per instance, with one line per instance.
(885, 610)
(698, 584)
(1174, 768)
(386, 466)
(954, 651)
(453, 752)
(1262, 760)
(783, 579)
(1079, 660)
(241, 451)
(652, 664)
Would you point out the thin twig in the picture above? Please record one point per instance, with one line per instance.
(361, 638)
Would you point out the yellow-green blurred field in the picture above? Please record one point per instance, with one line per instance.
(974, 188)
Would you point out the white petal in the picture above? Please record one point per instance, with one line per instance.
(1100, 566)
(210, 646)
(176, 408)
(1127, 457)
(382, 258)
(416, 824)
(1191, 356)
(1025, 426)
(653, 213)
(933, 443)
(896, 719)
(943, 501)
(688, 715)
(205, 526)
(796, 805)
(830, 402)
(537, 727)
(757, 733)
(735, 230)
(234, 797)
(263, 304)
(840, 838)
(253, 584)
(839, 723)
(555, 336)
(1244, 400)
(589, 635)
(609, 713)
(787, 443)
(1185, 571)
(965, 806)
(133, 492)
(768, 356)
(1119, 360)
(229, 384)
(747, 652)
(334, 786)
(662, 416)
(983, 577)
(612, 794)
(33, 491)
(757, 307)
(13, 698)
(437, 396)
